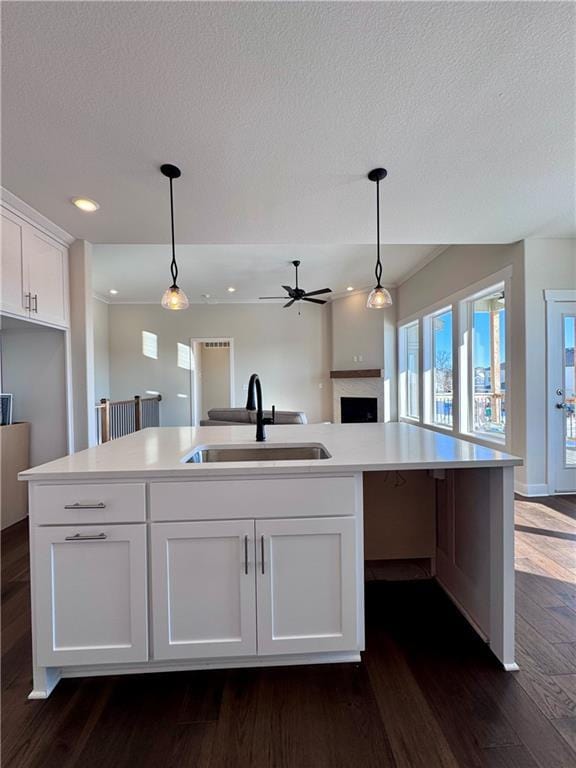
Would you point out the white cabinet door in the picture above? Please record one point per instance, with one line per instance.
(203, 589)
(307, 585)
(90, 594)
(46, 263)
(12, 284)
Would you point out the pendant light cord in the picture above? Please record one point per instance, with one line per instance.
(173, 265)
(378, 270)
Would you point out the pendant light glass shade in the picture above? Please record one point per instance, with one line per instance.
(379, 298)
(175, 298)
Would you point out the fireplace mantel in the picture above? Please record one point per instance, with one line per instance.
(362, 373)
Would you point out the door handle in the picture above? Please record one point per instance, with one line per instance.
(262, 552)
(27, 301)
(87, 537)
(246, 555)
(35, 298)
(77, 505)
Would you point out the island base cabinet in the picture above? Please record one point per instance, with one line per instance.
(203, 589)
(307, 585)
(90, 595)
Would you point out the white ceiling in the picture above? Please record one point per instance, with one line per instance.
(276, 111)
(140, 273)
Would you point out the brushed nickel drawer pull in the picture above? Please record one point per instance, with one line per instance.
(87, 537)
(77, 505)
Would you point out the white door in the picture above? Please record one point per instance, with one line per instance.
(562, 395)
(203, 589)
(307, 585)
(46, 264)
(13, 298)
(90, 596)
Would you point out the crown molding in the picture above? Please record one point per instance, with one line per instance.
(17, 206)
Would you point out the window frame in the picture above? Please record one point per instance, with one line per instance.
(403, 383)
(460, 302)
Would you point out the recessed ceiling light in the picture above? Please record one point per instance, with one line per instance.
(113, 291)
(231, 289)
(205, 295)
(85, 204)
(350, 288)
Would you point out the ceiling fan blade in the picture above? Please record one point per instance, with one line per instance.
(289, 303)
(287, 288)
(317, 293)
(313, 301)
(271, 297)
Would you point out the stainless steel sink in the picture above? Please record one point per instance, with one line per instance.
(303, 452)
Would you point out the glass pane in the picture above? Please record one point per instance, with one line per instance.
(412, 366)
(489, 365)
(442, 357)
(570, 390)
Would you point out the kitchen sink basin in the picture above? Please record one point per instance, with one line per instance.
(207, 454)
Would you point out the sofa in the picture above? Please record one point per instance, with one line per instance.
(234, 416)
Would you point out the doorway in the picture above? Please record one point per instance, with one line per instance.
(211, 376)
(561, 322)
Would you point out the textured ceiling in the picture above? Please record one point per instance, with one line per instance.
(276, 111)
(141, 272)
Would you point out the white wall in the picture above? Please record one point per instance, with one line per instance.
(370, 334)
(549, 264)
(101, 351)
(34, 371)
(290, 352)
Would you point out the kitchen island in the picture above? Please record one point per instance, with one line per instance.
(155, 552)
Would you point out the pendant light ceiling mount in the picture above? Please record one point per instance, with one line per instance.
(379, 297)
(174, 297)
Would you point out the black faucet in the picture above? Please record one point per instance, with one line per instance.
(250, 406)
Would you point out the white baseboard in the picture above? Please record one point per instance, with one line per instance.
(531, 489)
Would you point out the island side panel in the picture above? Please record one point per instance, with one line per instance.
(475, 553)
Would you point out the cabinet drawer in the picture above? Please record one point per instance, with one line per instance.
(233, 499)
(97, 503)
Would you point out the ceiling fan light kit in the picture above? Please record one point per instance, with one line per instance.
(379, 297)
(174, 297)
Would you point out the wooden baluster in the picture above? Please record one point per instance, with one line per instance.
(137, 413)
(105, 420)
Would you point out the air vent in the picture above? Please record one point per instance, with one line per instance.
(216, 344)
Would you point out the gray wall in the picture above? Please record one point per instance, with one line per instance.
(34, 371)
(290, 352)
(101, 350)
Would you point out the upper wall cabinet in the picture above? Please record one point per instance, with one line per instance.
(33, 273)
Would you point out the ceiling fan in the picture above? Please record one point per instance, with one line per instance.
(299, 294)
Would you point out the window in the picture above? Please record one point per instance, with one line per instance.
(409, 371)
(487, 406)
(184, 356)
(442, 373)
(149, 344)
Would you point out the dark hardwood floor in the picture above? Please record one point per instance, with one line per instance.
(427, 695)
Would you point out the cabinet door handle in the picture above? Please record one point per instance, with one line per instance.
(87, 537)
(77, 505)
(27, 301)
(35, 297)
(246, 555)
(262, 552)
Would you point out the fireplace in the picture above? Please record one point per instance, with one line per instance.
(358, 410)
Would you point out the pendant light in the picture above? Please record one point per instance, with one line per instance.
(379, 297)
(174, 297)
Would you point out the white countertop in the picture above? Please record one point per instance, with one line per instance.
(353, 447)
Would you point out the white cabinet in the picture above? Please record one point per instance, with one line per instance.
(241, 587)
(33, 273)
(307, 585)
(46, 263)
(203, 589)
(90, 595)
(12, 297)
